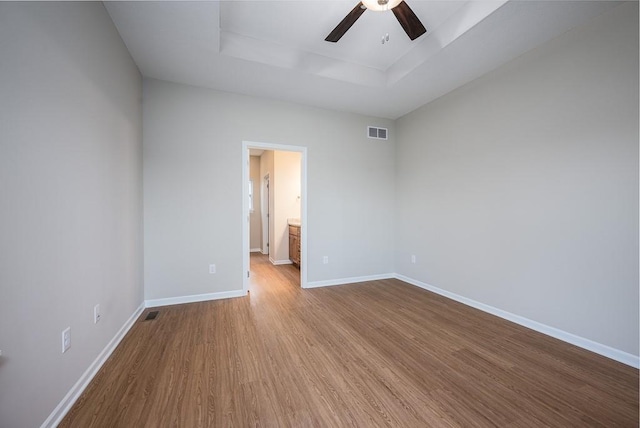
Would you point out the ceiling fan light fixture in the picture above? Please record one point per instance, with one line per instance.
(381, 5)
(408, 20)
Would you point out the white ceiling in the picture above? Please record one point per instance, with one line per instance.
(308, 23)
(276, 49)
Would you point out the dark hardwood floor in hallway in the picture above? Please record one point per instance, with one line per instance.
(381, 353)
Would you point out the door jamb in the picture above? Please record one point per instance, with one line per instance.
(246, 145)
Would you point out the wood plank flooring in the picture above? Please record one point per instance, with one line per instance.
(379, 353)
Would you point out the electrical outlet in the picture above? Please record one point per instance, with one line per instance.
(96, 313)
(413, 258)
(66, 339)
(212, 268)
(325, 260)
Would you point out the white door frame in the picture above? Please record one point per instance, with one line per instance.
(246, 145)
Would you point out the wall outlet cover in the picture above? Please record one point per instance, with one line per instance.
(66, 339)
(96, 314)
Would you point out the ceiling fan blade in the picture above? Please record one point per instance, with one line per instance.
(346, 23)
(409, 21)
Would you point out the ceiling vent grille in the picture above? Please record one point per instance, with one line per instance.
(377, 133)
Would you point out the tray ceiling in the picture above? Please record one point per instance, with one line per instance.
(276, 49)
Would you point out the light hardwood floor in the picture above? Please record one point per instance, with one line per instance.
(379, 353)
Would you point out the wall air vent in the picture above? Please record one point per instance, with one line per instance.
(377, 133)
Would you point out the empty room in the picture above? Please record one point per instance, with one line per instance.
(300, 213)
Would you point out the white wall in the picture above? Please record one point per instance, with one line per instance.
(284, 169)
(267, 168)
(71, 192)
(286, 196)
(255, 220)
(520, 189)
(193, 187)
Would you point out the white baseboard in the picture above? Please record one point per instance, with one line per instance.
(590, 345)
(67, 402)
(342, 281)
(194, 298)
(280, 262)
(74, 393)
(255, 250)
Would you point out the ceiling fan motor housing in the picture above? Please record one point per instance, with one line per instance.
(380, 5)
(406, 17)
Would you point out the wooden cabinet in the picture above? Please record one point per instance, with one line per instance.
(294, 245)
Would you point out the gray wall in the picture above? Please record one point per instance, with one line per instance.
(520, 189)
(71, 192)
(193, 187)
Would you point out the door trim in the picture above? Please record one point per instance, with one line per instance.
(246, 145)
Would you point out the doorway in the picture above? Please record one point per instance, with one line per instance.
(269, 180)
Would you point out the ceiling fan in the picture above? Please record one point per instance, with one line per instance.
(406, 17)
